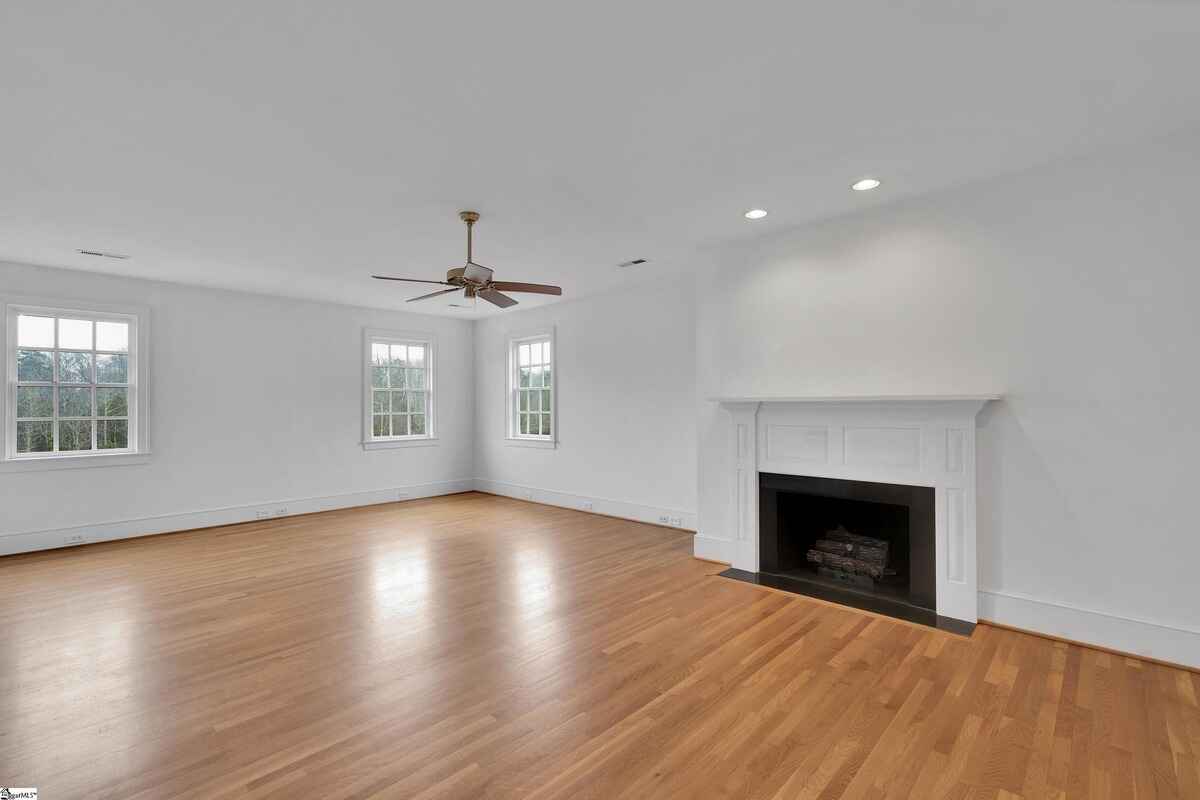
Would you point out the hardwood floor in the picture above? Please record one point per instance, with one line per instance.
(474, 646)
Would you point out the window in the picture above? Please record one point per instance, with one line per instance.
(399, 394)
(73, 384)
(531, 389)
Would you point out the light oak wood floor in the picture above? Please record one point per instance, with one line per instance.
(474, 646)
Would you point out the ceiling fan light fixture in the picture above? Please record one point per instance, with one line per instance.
(755, 213)
(476, 280)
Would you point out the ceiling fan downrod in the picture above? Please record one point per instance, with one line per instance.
(469, 217)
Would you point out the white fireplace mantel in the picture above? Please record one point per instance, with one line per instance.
(919, 440)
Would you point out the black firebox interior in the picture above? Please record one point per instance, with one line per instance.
(796, 512)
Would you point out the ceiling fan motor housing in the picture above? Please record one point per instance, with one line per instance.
(469, 273)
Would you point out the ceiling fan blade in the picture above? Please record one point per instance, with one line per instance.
(408, 280)
(536, 288)
(477, 272)
(496, 299)
(431, 294)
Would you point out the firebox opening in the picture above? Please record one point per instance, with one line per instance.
(851, 544)
(868, 545)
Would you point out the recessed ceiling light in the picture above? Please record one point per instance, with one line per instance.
(755, 213)
(865, 185)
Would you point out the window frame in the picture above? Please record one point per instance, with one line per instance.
(512, 381)
(383, 336)
(138, 381)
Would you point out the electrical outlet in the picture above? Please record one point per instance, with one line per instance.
(677, 522)
(281, 511)
(586, 506)
(262, 514)
(74, 538)
(664, 520)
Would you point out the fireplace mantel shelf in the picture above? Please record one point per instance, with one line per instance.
(862, 398)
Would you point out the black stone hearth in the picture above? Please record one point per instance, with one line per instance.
(795, 512)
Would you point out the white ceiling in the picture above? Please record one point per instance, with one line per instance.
(296, 148)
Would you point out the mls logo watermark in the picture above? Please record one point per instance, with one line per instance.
(28, 793)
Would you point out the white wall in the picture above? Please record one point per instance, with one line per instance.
(254, 400)
(627, 427)
(1070, 289)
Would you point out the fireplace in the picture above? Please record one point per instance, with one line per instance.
(864, 544)
(806, 476)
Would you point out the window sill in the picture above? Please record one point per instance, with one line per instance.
(389, 444)
(544, 444)
(73, 462)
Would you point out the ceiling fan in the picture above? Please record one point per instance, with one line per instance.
(475, 279)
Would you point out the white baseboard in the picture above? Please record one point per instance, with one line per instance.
(1170, 643)
(711, 549)
(1129, 635)
(28, 541)
(674, 518)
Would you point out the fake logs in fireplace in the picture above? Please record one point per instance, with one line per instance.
(851, 558)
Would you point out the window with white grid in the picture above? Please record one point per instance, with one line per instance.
(400, 390)
(532, 389)
(72, 383)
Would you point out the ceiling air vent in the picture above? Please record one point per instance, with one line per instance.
(102, 254)
(632, 263)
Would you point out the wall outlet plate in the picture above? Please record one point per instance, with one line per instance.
(677, 522)
(586, 506)
(281, 511)
(664, 520)
(262, 514)
(74, 538)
